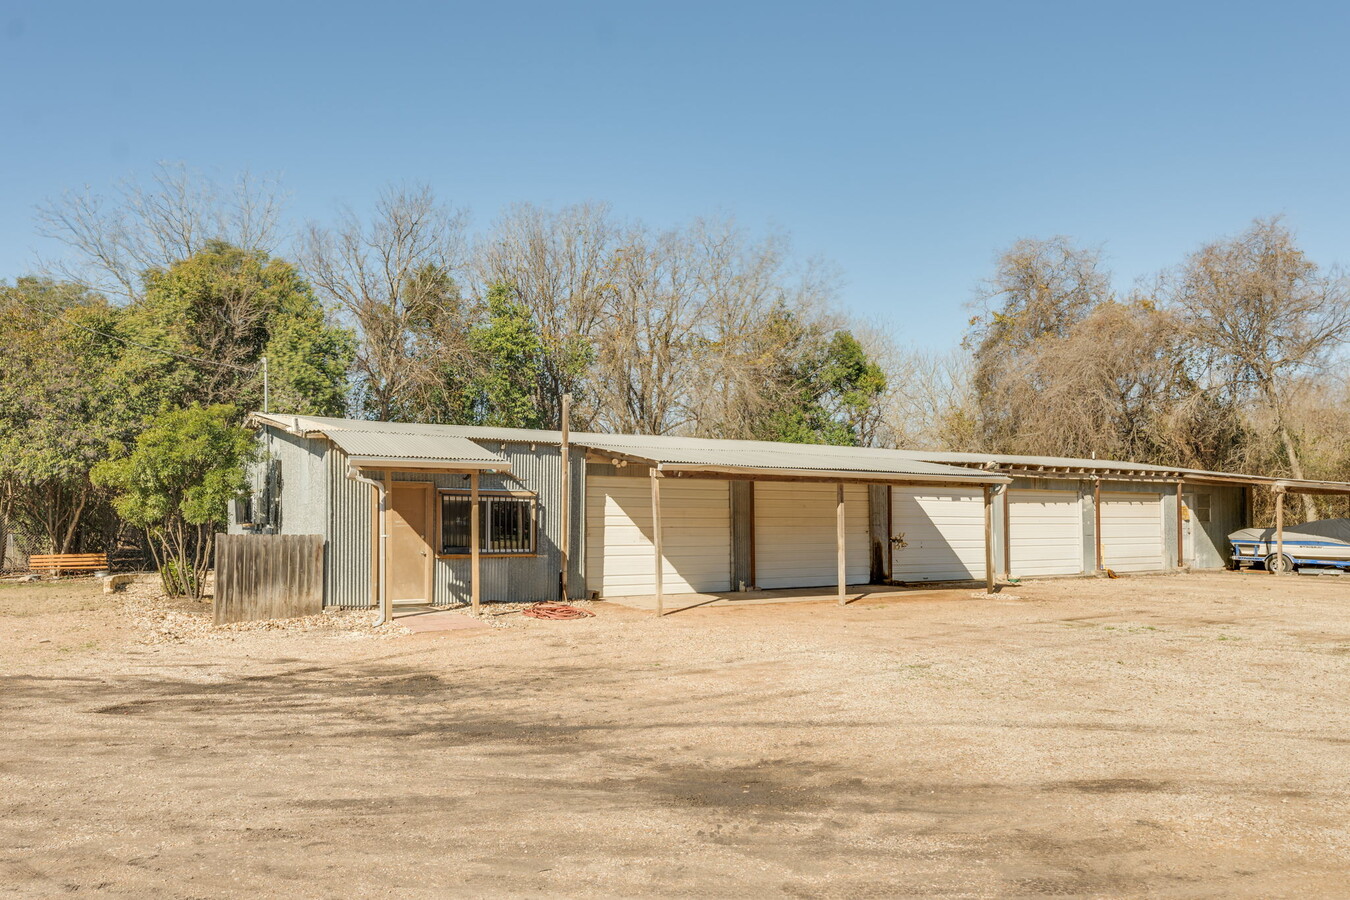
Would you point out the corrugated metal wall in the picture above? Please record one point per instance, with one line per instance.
(303, 497)
(534, 578)
(524, 579)
(742, 538)
(347, 562)
(879, 526)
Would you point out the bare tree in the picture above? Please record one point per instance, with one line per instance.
(758, 312)
(393, 279)
(116, 239)
(1264, 315)
(930, 402)
(649, 338)
(1040, 289)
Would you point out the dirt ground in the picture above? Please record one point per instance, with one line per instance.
(1178, 736)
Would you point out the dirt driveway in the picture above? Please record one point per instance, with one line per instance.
(1171, 736)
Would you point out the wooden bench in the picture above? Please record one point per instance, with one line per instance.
(68, 562)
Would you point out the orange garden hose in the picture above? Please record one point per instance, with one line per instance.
(557, 611)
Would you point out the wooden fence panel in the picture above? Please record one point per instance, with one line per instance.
(268, 576)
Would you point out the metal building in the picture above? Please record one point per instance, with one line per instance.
(437, 514)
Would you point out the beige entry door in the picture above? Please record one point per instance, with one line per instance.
(409, 543)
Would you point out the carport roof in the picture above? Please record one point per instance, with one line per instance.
(427, 446)
(1050, 466)
(693, 456)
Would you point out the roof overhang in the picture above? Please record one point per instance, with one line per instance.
(1292, 486)
(448, 466)
(677, 470)
(391, 452)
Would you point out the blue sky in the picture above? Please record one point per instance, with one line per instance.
(907, 143)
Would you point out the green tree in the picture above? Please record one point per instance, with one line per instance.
(509, 353)
(849, 383)
(232, 307)
(439, 364)
(175, 481)
(60, 405)
(826, 387)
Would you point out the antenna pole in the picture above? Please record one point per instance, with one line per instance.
(265, 397)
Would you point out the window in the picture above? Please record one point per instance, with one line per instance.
(505, 523)
(1202, 507)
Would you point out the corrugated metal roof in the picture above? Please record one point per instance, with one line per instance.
(375, 447)
(1056, 462)
(402, 440)
(695, 454)
(761, 455)
(305, 425)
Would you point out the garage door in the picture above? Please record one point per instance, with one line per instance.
(1045, 532)
(695, 536)
(796, 539)
(941, 532)
(1132, 532)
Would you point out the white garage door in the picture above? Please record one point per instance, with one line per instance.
(1132, 532)
(695, 536)
(942, 530)
(1045, 532)
(796, 535)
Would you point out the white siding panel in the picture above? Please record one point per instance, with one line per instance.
(1045, 532)
(1132, 532)
(943, 532)
(796, 535)
(695, 536)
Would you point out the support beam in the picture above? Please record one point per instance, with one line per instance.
(1181, 529)
(1006, 492)
(839, 541)
(565, 506)
(656, 544)
(386, 605)
(474, 530)
(1279, 531)
(754, 575)
(988, 539)
(1097, 521)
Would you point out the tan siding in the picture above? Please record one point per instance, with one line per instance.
(943, 532)
(1132, 532)
(695, 536)
(1045, 532)
(795, 540)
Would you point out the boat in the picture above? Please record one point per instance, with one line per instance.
(1325, 542)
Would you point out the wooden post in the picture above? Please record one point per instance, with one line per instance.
(475, 528)
(656, 544)
(1097, 521)
(376, 529)
(1006, 492)
(1181, 530)
(386, 604)
(839, 540)
(753, 574)
(565, 506)
(988, 539)
(1279, 530)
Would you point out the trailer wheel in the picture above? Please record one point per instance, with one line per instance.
(1276, 564)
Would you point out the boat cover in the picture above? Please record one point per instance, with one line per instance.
(1322, 530)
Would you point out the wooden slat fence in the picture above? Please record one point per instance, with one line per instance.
(268, 576)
